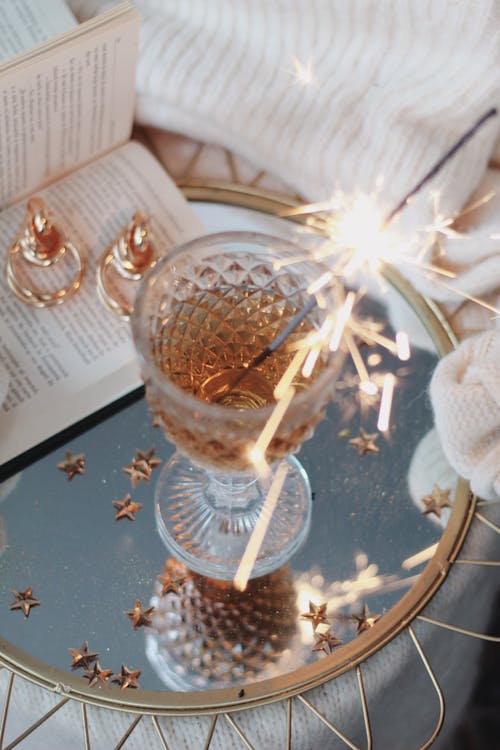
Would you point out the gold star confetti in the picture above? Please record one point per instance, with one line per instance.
(149, 457)
(365, 620)
(316, 614)
(82, 657)
(97, 674)
(436, 501)
(73, 465)
(140, 616)
(326, 642)
(127, 678)
(138, 470)
(126, 508)
(24, 600)
(365, 443)
(171, 583)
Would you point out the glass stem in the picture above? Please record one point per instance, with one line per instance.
(233, 491)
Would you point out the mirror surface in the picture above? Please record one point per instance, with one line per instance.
(87, 570)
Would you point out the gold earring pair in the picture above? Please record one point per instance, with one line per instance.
(41, 244)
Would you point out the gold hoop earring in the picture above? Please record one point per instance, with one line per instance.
(41, 244)
(127, 257)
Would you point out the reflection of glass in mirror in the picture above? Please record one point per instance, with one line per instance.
(203, 318)
(209, 635)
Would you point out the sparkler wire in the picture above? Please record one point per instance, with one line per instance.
(441, 162)
(433, 171)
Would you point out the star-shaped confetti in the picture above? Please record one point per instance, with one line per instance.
(73, 465)
(141, 466)
(97, 674)
(326, 642)
(126, 508)
(365, 443)
(316, 614)
(365, 620)
(127, 678)
(148, 457)
(82, 657)
(138, 471)
(436, 501)
(140, 616)
(171, 582)
(24, 600)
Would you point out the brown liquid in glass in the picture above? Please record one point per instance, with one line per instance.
(207, 342)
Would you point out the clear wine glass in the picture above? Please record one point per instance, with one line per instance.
(203, 318)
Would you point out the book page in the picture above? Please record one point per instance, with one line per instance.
(67, 362)
(66, 104)
(24, 23)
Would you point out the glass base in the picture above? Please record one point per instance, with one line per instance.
(206, 518)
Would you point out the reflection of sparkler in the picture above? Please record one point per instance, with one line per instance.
(347, 593)
(358, 240)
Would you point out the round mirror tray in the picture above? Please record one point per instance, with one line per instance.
(389, 522)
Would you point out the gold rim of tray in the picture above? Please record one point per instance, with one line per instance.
(347, 657)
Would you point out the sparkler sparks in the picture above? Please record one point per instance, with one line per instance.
(360, 238)
(349, 593)
(386, 403)
(343, 316)
(402, 346)
(419, 558)
(257, 452)
(257, 537)
(303, 73)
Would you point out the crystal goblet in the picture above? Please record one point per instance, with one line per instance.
(202, 317)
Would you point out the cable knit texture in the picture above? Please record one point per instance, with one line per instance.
(387, 87)
(393, 84)
(465, 392)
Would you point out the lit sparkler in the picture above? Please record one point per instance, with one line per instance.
(359, 239)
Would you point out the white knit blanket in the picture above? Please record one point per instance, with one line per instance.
(330, 94)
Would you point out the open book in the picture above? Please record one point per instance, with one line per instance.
(66, 100)
(69, 361)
